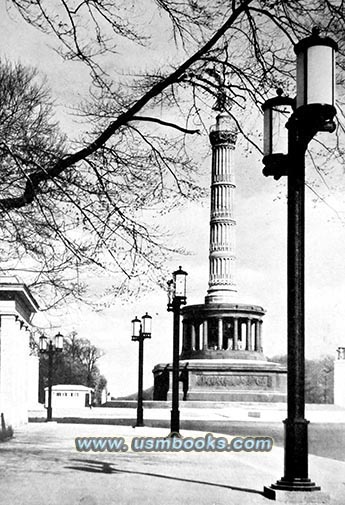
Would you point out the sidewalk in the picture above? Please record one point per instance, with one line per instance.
(42, 467)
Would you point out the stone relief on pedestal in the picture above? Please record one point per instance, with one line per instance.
(235, 381)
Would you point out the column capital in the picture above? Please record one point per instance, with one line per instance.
(223, 137)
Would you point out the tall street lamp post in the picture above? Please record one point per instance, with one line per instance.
(50, 347)
(140, 331)
(313, 111)
(176, 298)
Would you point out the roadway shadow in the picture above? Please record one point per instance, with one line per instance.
(91, 465)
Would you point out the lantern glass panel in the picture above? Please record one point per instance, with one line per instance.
(279, 131)
(180, 283)
(58, 341)
(315, 76)
(136, 325)
(275, 132)
(147, 323)
(267, 132)
(300, 80)
(43, 343)
(320, 75)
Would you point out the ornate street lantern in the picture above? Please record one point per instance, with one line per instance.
(146, 326)
(276, 112)
(58, 342)
(136, 328)
(180, 282)
(43, 343)
(315, 78)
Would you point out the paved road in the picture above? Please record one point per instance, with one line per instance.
(42, 467)
(325, 439)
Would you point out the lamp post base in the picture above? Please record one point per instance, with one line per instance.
(174, 434)
(175, 422)
(140, 418)
(297, 491)
(49, 414)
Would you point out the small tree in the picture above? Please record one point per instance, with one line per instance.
(77, 364)
(319, 378)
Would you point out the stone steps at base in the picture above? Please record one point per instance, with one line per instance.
(197, 404)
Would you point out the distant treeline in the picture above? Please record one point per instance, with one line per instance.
(76, 364)
(147, 395)
(319, 378)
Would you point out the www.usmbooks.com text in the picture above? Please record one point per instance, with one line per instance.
(208, 443)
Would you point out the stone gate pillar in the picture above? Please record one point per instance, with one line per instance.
(17, 307)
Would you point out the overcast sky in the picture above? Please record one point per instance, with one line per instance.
(260, 212)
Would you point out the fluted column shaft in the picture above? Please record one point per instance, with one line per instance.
(222, 224)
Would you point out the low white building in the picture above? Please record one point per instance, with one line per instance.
(69, 396)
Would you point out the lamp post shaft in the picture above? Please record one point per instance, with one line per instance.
(313, 111)
(296, 426)
(296, 477)
(50, 380)
(140, 415)
(175, 413)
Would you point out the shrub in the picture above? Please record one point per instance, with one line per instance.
(6, 434)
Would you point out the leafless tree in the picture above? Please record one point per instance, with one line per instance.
(84, 198)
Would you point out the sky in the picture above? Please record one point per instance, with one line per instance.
(260, 212)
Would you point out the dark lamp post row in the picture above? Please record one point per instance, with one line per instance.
(141, 329)
(313, 110)
(50, 347)
(177, 296)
